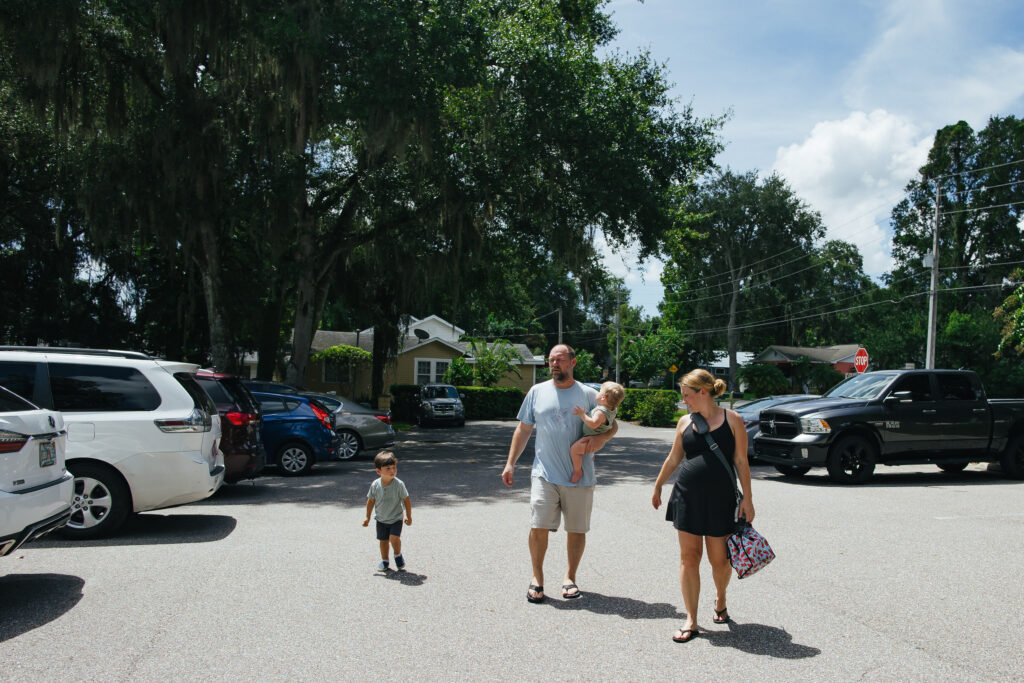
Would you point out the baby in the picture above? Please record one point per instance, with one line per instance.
(599, 421)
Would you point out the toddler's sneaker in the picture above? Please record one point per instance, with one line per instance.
(383, 566)
(400, 562)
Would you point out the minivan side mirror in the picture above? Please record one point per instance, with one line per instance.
(462, 395)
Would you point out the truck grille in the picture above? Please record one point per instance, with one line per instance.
(444, 409)
(779, 425)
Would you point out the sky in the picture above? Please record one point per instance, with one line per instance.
(842, 99)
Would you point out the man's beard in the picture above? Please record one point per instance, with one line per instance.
(559, 375)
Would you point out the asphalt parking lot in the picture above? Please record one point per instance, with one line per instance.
(915, 576)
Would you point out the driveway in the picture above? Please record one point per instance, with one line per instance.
(912, 577)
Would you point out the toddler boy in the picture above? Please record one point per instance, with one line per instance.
(388, 494)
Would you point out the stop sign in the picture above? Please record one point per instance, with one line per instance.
(860, 360)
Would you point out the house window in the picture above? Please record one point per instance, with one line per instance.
(431, 369)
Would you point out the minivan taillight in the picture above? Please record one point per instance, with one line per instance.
(386, 419)
(197, 421)
(321, 415)
(240, 419)
(11, 442)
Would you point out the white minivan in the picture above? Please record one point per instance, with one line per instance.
(141, 433)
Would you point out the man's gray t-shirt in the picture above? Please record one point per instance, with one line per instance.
(387, 500)
(549, 410)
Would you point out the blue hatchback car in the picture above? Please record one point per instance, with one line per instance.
(297, 432)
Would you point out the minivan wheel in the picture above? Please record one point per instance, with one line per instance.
(1012, 461)
(851, 460)
(348, 445)
(100, 504)
(294, 459)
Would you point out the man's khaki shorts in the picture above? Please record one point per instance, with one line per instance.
(549, 502)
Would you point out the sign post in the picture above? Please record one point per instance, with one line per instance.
(860, 360)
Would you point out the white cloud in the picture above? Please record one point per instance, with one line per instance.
(853, 171)
(931, 61)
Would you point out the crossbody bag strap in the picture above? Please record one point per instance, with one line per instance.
(699, 420)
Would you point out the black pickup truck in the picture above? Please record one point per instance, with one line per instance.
(894, 417)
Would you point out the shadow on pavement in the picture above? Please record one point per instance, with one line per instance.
(154, 529)
(758, 639)
(892, 476)
(31, 600)
(404, 578)
(440, 467)
(627, 608)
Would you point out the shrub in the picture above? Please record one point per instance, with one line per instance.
(763, 379)
(656, 408)
(488, 403)
(823, 377)
(628, 407)
(459, 372)
(403, 401)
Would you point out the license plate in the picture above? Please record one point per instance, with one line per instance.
(47, 453)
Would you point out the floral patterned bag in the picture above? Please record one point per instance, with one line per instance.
(749, 551)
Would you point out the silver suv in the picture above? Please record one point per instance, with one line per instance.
(440, 403)
(142, 433)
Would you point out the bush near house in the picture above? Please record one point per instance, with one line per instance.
(482, 403)
(645, 405)
(488, 403)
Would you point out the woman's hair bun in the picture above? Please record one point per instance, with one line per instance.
(720, 387)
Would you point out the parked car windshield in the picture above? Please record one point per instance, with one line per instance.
(861, 386)
(440, 392)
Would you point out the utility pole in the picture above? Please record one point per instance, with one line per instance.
(559, 325)
(933, 295)
(618, 312)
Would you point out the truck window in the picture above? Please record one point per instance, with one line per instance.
(956, 388)
(919, 386)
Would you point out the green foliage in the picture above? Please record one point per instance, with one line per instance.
(650, 353)
(822, 377)
(587, 369)
(404, 401)
(343, 354)
(459, 372)
(1011, 314)
(489, 403)
(763, 379)
(492, 361)
(630, 406)
(656, 408)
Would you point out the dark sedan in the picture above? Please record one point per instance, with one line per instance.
(240, 425)
(296, 432)
(358, 428)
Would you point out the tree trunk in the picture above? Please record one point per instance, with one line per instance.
(220, 348)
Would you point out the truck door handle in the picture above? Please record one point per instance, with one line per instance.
(927, 412)
(979, 410)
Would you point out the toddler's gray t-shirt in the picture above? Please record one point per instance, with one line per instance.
(387, 505)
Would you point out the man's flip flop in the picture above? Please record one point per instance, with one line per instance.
(535, 589)
(571, 587)
(685, 635)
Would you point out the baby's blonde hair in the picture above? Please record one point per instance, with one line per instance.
(702, 379)
(614, 392)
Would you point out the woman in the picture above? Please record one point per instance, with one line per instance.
(703, 503)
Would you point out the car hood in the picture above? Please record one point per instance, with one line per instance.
(817, 405)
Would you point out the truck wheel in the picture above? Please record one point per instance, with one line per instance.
(851, 460)
(1012, 461)
(792, 470)
(952, 467)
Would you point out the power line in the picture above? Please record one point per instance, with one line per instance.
(981, 208)
(977, 170)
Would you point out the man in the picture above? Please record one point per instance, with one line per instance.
(549, 406)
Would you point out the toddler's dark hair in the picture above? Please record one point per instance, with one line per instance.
(383, 459)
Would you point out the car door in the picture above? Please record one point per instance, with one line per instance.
(909, 416)
(964, 418)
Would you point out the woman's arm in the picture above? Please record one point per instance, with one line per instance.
(739, 458)
(675, 456)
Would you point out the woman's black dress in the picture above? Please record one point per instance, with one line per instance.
(703, 500)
